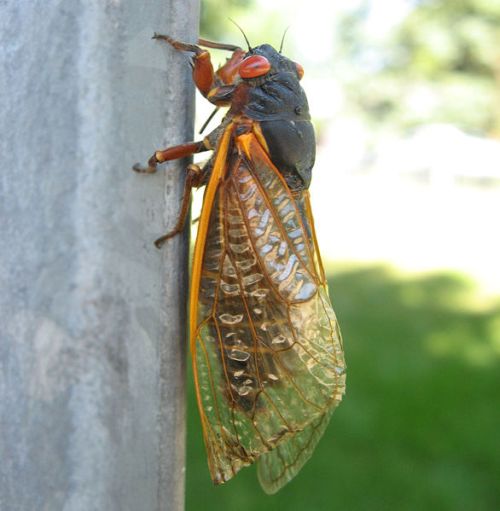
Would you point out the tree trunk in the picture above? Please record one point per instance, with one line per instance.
(92, 315)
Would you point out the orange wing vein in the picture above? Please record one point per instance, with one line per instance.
(267, 352)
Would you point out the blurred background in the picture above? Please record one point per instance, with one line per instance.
(405, 98)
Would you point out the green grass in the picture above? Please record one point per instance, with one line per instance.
(419, 427)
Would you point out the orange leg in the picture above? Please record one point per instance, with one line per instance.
(203, 70)
(218, 86)
(171, 153)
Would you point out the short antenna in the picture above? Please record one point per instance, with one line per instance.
(244, 35)
(283, 38)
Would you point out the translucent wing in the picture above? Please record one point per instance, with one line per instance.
(282, 464)
(267, 352)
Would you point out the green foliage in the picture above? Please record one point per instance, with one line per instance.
(215, 16)
(441, 63)
(419, 425)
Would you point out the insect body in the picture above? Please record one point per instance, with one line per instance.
(267, 353)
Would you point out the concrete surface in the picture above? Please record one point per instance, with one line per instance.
(92, 315)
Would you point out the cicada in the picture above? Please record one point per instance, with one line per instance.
(266, 348)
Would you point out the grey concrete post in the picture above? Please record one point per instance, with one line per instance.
(92, 315)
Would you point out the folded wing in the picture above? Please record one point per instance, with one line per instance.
(267, 351)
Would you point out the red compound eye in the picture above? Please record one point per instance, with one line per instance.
(300, 70)
(254, 66)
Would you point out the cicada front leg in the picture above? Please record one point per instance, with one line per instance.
(216, 86)
(172, 153)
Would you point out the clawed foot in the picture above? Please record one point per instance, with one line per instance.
(150, 169)
(143, 170)
(164, 37)
(161, 241)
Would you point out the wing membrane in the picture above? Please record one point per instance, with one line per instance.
(277, 467)
(267, 352)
